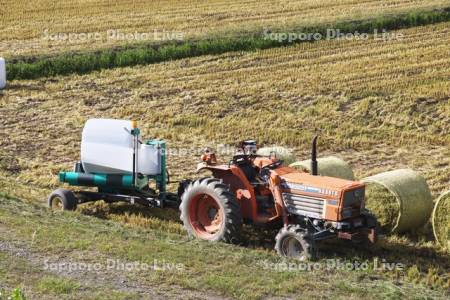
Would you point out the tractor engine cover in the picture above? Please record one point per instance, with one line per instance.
(107, 148)
(322, 197)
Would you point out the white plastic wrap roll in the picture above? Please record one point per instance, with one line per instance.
(2, 73)
(107, 148)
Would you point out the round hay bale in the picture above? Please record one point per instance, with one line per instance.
(282, 153)
(441, 220)
(400, 199)
(384, 205)
(328, 166)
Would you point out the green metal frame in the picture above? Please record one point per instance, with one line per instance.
(121, 182)
(161, 179)
(102, 180)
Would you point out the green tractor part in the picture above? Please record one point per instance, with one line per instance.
(121, 181)
(121, 166)
(103, 180)
(161, 179)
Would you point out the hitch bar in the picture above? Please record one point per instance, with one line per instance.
(145, 200)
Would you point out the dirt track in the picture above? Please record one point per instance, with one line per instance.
(104, 277)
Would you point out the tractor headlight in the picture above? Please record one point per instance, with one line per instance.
(353, 202)
(354, 197)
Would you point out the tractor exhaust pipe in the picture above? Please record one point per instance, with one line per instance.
(314, 169)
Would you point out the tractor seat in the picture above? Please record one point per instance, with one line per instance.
(249, 171)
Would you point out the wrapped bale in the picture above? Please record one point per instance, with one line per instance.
(328, 166)
(400, 199)
(282, 153)
(441, 220)
(2, 73)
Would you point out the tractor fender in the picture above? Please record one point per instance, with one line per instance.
(239, 186)
(203, 166)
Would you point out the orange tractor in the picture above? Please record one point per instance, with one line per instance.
(119, 166)
(262, 191)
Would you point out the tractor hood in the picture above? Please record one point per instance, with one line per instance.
(293, 179)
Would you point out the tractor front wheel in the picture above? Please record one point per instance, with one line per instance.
(209, 211)
(62, 199)
(292, 241)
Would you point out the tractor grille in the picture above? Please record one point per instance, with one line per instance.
(304, 205)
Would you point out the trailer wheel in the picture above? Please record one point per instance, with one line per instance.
(62, 199)
(209, 211)
(292, 241)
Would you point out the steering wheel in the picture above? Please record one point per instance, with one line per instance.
(273, 165)
(238, 159)
(264, 173)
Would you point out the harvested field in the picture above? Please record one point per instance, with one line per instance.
(294, 90)
(28, 28)
(284, 95)
(380, 105)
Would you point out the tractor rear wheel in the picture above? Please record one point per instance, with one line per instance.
(209, 211)
(62, 199)
(292, 241)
